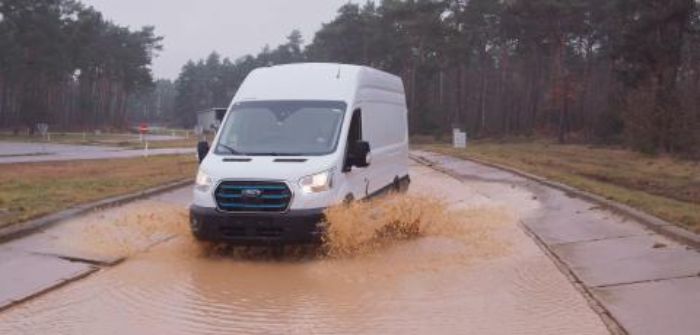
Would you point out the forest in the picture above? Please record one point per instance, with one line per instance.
(588, 71)
(620, 72)
(62, 63)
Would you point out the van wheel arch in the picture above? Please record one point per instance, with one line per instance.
(349, 198)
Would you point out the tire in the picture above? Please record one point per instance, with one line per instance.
(396, 185)
(349, 199)
(198, 236)
(196, 233)
(404, 184)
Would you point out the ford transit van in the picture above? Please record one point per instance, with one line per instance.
(295, 140)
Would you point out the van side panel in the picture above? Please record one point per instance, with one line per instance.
(384, 126)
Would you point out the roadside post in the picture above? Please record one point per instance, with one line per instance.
(143, 130)
(43, 129)
(145, 150)
(459, 138)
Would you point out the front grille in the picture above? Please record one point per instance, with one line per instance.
(253, 196)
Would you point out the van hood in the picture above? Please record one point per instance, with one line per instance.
(265, 167)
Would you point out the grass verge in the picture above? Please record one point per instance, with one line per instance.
(662, 186)
(31, 190)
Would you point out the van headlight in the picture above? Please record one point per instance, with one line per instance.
(203, 182)
(319, 182)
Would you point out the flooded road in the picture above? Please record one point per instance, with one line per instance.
(473, 271)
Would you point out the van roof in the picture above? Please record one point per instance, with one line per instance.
(315, 81)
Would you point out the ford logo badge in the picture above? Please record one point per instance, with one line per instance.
(251, 193)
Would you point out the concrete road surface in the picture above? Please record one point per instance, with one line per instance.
(477, 273)
(649, 284)
(21, 152)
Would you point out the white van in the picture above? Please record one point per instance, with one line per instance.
(295, 140)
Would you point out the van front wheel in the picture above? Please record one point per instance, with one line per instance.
(196, 227)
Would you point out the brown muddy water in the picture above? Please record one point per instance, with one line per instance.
(449, 261)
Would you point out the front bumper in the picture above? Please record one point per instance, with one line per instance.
(292, 227)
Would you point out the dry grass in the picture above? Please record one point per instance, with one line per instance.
(663, 186)
(34, 189)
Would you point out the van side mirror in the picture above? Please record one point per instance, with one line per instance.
(202, 150)
(360, 154)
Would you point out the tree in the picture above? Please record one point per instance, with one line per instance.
(599, 71)
(648, 58)
(63, 63)
(213, 82)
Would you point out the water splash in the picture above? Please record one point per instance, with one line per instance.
(129, 230)
(364, 227)
(360, 228)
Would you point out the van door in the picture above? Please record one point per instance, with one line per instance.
(384, 127)
(357, 178)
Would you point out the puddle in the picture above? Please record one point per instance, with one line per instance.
(114, 233)
(406, 264)
(369, 229)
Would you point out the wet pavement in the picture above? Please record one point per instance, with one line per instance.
(649, 284)
(484, 275)
(21, 152)
(24, 275)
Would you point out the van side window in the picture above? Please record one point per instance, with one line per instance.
(354, 135)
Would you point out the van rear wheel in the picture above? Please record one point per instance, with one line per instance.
(396, 185)
(348, 199)
(400, 185)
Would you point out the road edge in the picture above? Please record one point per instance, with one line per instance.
(613, 326)
(611, 323)
(659, 226)
(61, 283)
(28, 227)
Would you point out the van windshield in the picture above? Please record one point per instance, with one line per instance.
(281, 128)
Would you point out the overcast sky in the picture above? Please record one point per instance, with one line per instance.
(234, 28)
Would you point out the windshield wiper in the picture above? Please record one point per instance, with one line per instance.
(275, 154)
(231, 150)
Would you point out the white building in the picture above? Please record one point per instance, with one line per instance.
(210, 119)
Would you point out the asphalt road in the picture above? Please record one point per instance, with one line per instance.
(592, 272)
(22, 152)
